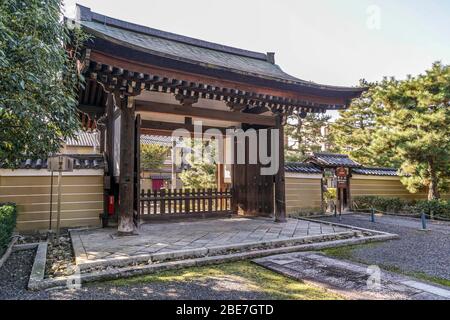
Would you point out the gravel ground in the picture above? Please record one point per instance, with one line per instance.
(15, 273)
(416, 251)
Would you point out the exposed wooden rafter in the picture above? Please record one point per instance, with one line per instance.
(132, 83)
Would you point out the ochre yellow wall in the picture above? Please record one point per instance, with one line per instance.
(82, 200)
(389, 187)
(303, 194)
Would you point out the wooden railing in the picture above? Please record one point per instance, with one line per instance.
(167, 203)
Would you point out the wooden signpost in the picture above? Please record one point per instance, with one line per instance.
(59, 164)
(341, 175)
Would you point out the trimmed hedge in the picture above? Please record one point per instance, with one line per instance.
(439, 208)
(8, 216)
(391, 205)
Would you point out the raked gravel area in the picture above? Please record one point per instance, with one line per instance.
(415, 251)
(15, 273)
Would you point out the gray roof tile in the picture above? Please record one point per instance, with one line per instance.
(90, 139)
(84, 139)
(81, 161)
(300, 167)
(191, 50)
(373, 171)
(333, 160)
(190, 53)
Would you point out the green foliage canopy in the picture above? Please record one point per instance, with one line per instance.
(38, 79)
(202, 168)
(415, 121)
(404, 124)
(305, 135)
(153, 156)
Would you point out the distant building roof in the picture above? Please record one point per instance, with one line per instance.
(159, 140)
(300, 167)
(91, 139)
(332, 160)
(84, 139)
(373, 171)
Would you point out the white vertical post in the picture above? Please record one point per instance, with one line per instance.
(58, 218)
(174, 165)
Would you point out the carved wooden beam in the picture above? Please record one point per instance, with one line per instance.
(186, 100)
(188, 92)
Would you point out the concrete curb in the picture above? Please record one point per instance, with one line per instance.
(40, 284)
(348, 226)
(8, 251)
(25, 246)
(202, 252)
(38, 269)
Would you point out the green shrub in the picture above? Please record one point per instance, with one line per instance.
(8, 215)
(330, 194)
(440, 208)
(382, 203)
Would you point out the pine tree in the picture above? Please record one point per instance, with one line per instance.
(202, 167)
(305, 135)
(414, 120)
(153, 156)
(353, 132)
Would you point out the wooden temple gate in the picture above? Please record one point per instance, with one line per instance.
(142, 80)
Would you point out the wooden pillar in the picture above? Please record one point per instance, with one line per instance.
(126, 180)
(174, 165)
(349, 192)
(280, 192)
(106, 147)
(220, 175)
(109, 147)
(102, 139)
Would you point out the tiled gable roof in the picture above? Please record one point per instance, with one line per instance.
(91, 139)
(192, 51)
(84, 139)
(333, 160)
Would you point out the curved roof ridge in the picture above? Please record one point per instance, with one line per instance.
(297, 163)
(85, 14)
(331, 154)
(379, 168)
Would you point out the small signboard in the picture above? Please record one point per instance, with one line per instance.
(342, 182)
(341, 172)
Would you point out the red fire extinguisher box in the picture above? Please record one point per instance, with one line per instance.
(111, 205)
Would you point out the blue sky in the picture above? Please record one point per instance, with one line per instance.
(326, 41)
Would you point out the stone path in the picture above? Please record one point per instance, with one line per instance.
(353, 280)
(103, 244)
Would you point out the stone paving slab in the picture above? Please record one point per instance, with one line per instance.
(91, 246)
(351, 279)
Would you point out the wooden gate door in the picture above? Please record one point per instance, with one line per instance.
(253, 193)
(137, 171)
